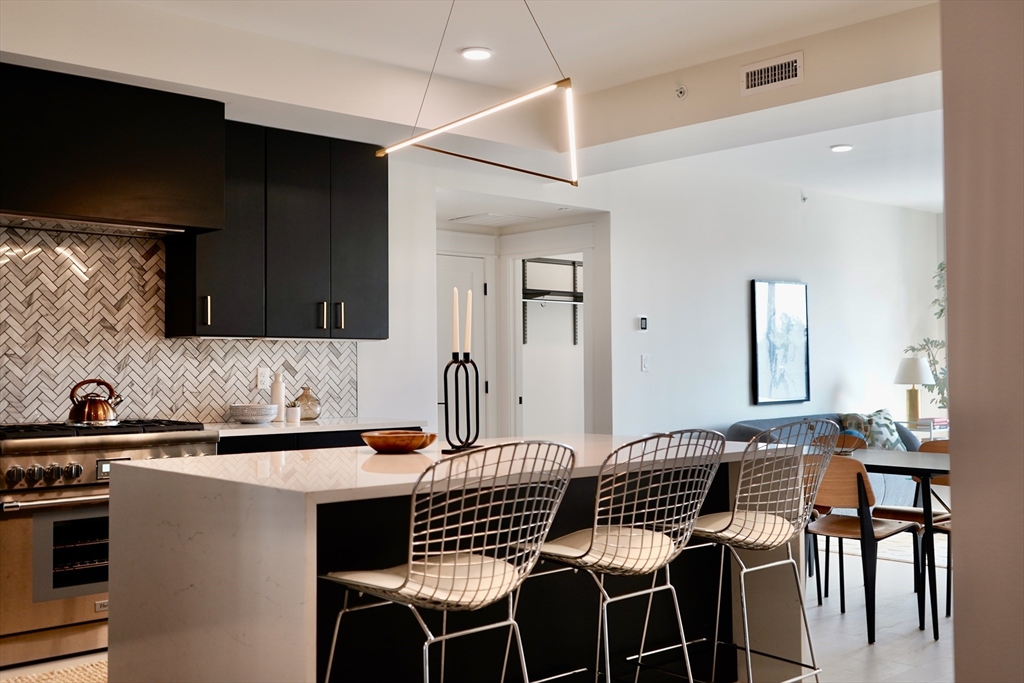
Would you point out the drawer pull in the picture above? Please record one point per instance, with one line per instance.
(323, 316)
(209, 310)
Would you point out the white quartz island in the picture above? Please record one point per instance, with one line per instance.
(213, 561)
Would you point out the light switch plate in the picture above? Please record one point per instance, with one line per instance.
(645, 362)
(263, 378)
(641, 323)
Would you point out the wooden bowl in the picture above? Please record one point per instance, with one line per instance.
(397, 441)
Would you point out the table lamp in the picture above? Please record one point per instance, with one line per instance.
(913, 371)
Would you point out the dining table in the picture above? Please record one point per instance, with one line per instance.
(925, 466)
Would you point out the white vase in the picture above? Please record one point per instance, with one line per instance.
(293, 414)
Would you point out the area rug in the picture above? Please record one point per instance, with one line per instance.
(93, 672)
(899, 548)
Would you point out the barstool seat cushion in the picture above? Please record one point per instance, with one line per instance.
(451, 580)
(761, 528)
(639, 551)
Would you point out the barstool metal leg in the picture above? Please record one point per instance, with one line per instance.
(718, 613)
(682, 635)
(647, 618)
(743, 609)
(803, 611)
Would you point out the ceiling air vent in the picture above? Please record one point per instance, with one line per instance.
(773, 73)
(493, 220)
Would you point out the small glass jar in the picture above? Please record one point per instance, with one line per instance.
(309, 405)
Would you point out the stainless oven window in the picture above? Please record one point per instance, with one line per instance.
(70, 552)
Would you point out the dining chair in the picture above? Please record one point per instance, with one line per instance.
(846, 485)
(649, 493)
(913, 513)
(845, 445)
(778, 479)
(477, 522)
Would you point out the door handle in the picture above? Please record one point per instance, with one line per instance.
(323, 316)
(339, 316)
(209, 310)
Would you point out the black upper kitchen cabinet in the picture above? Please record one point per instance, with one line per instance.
(215, 280)
(298, 214)
(91, 150)
(359, 241)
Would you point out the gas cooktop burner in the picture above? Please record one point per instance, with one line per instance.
(47, 430)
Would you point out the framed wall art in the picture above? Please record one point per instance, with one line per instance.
(781, 359)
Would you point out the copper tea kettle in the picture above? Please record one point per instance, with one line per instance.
(92, 410)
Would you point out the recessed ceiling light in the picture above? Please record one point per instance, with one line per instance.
(476, 53)
(841, 148)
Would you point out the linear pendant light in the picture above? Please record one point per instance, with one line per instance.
(565, 83)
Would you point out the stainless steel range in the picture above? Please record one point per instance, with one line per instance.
(53, 527)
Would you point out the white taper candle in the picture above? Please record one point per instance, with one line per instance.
(455, 319)
(469, 319)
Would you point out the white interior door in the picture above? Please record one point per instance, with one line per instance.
(466, 273)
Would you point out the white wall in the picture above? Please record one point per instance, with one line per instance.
(682, 247)
(398, 376)
(983, 87)
(685, 246)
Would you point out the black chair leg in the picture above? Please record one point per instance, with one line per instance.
(870, 562)
(817, 572)
(916, 563)
(949, 575)
(808, 550)
(842, 579)
(828, 540)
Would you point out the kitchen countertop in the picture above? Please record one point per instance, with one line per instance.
(328, 475)
(328, 424)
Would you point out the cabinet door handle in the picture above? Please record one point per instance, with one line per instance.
(340, 316)
(323, 316)
(209, 310)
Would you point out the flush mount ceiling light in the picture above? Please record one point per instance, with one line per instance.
(841, 148)
(475, 53)
(565, 84)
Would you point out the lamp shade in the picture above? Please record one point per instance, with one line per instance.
(914, 371)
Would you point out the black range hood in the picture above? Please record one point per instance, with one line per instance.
(89, 155)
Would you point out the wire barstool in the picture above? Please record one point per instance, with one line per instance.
(649, 494)
(779, 477)
(477, 523)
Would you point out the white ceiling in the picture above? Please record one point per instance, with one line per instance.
(599, 44)
(457, 203)
(895, 161)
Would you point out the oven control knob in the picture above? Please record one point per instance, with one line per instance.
(34, 474)
(14, 475)
(72, 470)
(53, 472)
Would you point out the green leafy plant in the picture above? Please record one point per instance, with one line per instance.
(931, 348)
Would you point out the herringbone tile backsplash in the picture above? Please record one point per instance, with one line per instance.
(75, 307)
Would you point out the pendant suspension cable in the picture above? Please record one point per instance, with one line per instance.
(544, 39)
(434, 66)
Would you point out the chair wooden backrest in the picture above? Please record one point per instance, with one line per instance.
(839, 486)
(845, 443)
(658, 484)
(936, 446)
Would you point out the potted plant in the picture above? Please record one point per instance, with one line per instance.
(931, 348)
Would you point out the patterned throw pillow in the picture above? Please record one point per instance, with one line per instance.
(878, 428)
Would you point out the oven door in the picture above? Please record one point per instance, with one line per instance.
(54, 568)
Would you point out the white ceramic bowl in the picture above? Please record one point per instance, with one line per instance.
(253, 413)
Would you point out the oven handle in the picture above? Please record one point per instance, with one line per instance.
(18, 505)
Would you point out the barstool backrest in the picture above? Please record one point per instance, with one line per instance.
(649, 493)
(478, 520)
(779, 478)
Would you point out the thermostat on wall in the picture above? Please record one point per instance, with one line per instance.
(641, 323)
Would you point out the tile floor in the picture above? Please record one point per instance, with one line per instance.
(901, 654)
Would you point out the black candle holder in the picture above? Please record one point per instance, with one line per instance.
(472, 411)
